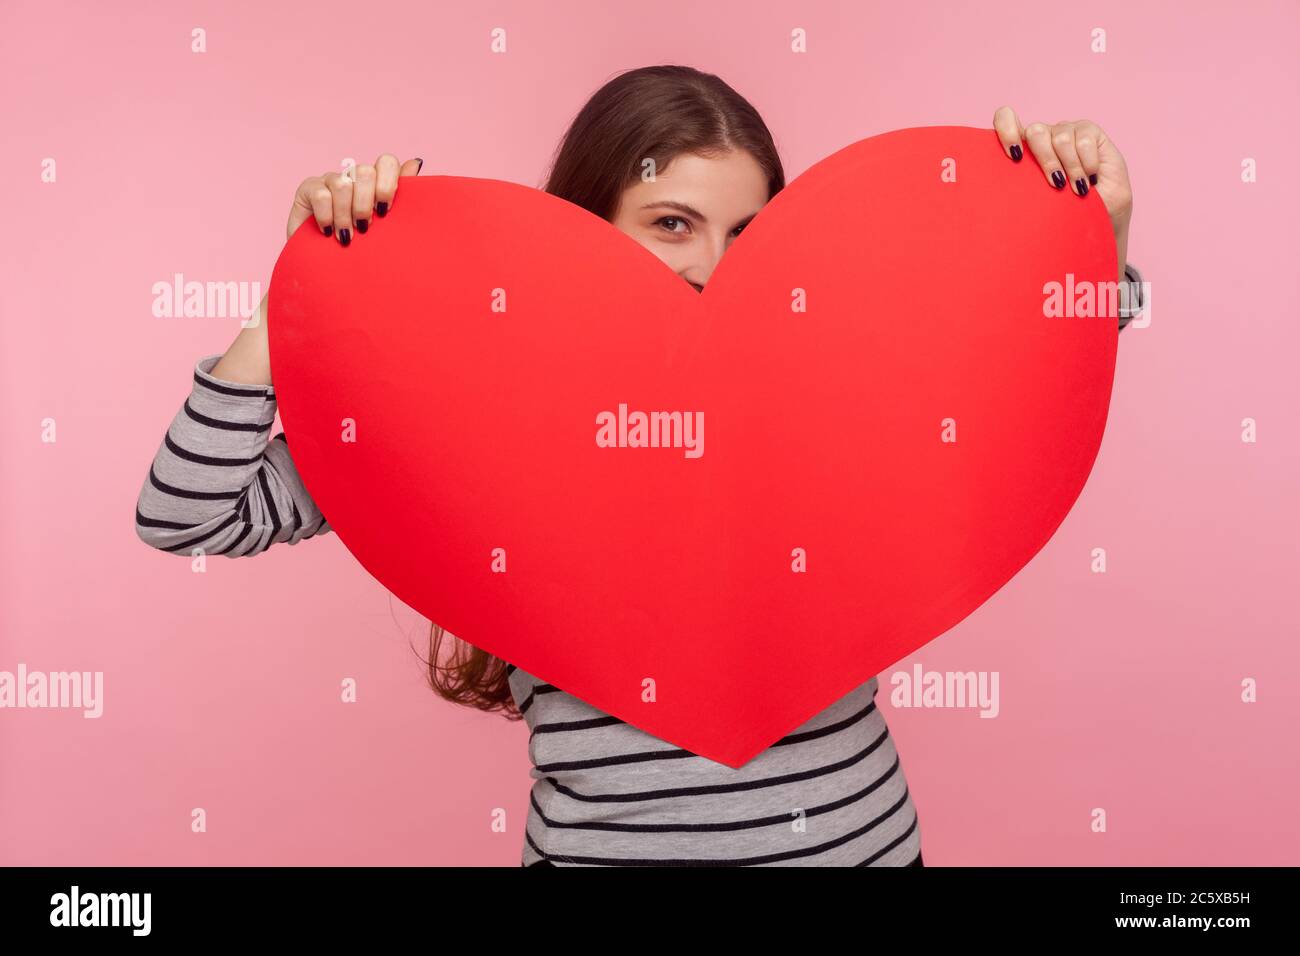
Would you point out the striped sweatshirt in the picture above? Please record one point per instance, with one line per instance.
(604, 793)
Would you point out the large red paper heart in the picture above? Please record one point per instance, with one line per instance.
(824, 430)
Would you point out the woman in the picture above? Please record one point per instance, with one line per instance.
(831, 793)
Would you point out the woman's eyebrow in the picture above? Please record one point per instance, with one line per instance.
(679, 206)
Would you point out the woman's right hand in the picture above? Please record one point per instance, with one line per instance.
(343, 207)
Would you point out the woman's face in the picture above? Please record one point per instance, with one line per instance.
(689, 214)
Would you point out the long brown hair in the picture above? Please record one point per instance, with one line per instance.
(656, 112)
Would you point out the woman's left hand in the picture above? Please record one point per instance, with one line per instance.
(1077, 153)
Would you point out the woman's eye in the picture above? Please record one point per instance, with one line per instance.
(739, 229)
(670, 223)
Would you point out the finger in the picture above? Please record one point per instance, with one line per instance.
(1007, 125)
(313, 199)
(363, 196)
(340, 187)
(387, 169)
(1063, 144)
(409, 168)
(1088, 138)
(1039, 138)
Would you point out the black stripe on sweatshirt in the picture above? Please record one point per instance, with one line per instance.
(545, 689)
(263, 542)
(297, 518)
(270, 503)
(737, 787)
(751, 860)
(225, 388)
(180, 452)
(234, 544)
(676, 753)
(227, 426)
(893, 843)
(722, 826)
(186, 493)
(146, 522)
(590, 723)
(191, 543)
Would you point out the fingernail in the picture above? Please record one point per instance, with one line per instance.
(1058, 179)
(345, 236)
(1017, 152)
(1092, 178)
(1081, 186)
(363, 225)
(328, 230)
(420, 167)
(381, 208)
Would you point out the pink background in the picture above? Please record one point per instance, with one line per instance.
(1119, 691)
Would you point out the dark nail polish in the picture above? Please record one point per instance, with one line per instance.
(1017, 152)
(1058, 179)
(1081, 186)
(329, 231)
(381, 208)
(420, 167)
(345, 236)
(1092, 178)
(363, 225)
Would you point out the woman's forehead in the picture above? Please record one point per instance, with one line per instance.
(727, 186)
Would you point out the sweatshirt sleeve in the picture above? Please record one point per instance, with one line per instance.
(219, 482)
(1131, 301)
